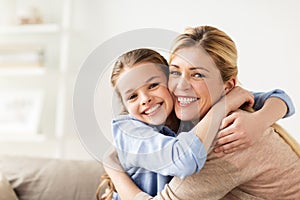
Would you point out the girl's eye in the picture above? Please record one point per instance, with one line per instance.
(153, 85)
(198, 75)
(175, 73)
(131, 97)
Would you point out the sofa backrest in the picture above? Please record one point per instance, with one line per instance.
(48, 179)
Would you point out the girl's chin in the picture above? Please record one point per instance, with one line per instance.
(157, 119)
(156, 122)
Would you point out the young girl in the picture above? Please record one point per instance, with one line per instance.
(149, 151)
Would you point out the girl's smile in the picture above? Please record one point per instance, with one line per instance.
(145, 94)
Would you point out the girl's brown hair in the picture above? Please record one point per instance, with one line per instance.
(131, 59)
(127, 61)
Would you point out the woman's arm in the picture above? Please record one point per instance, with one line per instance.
(123, 183)
(213, 182)
(241, 130)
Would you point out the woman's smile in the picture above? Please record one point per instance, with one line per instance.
(186, 101)
(195, 82)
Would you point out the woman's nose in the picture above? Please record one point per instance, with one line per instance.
(183, 83)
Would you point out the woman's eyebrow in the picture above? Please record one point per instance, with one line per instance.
(201, 68)
(173, 65)
(191, 68)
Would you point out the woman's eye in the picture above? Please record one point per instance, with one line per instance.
(198, 75)
(153, 85)
(175, 73)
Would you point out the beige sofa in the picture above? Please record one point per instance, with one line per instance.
(28, 178)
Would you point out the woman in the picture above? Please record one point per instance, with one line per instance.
(148, 149)
(203, 69)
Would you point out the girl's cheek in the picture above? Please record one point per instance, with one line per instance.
(171, 85)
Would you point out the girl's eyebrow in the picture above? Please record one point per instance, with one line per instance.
(147, 81)
(191, 68)
(151, 78)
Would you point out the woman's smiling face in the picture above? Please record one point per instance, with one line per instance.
(195, 82)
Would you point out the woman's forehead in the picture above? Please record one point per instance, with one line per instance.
(194, 57)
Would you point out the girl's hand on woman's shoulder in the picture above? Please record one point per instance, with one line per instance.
(238, 97)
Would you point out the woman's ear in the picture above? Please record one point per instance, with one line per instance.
(229, 85)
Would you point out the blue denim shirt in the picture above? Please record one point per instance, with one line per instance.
(261, 97)
(152, 154)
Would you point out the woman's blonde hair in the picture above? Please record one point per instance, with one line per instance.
(222, 50)
(219, 46)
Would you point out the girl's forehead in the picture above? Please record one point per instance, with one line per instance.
(140, 75)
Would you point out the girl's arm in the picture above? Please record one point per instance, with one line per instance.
(140, 145)
(240, 129)
(175, 156)
(206, 130)
(261, 97)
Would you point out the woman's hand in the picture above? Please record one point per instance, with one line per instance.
(239, 130)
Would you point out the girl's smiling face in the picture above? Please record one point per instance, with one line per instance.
(144, 92)
(195, 82)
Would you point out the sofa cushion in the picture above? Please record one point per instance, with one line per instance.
(48, 179)
(6, 191)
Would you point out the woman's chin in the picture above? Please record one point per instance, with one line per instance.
(185, 114)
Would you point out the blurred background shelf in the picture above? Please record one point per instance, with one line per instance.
(22, 71)
(22, 137)
(70, 30)
(30, 29)
(34, 58)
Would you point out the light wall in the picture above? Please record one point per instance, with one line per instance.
(266, 34)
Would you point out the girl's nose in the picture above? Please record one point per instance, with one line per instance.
(145, 99)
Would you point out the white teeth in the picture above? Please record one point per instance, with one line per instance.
(185, 100)
(154, 108)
